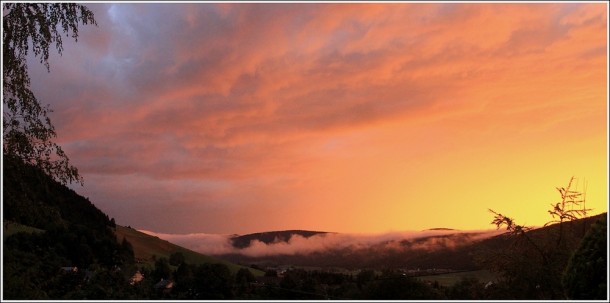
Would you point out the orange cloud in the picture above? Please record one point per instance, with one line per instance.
(386, 115)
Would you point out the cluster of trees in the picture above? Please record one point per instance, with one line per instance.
(298, 284)
(62, 264)
(585, 277)
(216, 282)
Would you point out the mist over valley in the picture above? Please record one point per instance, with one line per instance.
(433, 248)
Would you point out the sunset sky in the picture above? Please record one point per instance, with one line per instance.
(359, 118)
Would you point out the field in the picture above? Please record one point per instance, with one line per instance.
(449, 279)
(145, 246)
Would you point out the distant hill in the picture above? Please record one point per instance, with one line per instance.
(457, 251)
(146, 246)
(389, 254)
(271, 237)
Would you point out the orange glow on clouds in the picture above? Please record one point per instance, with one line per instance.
(236, 118)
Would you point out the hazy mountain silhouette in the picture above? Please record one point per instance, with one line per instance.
(271, 237)
(440, 228)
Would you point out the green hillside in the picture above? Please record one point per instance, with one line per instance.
(146, 246)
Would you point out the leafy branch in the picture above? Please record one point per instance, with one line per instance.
(27, 130)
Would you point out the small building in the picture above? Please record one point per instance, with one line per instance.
(164, 285)
(136, 278)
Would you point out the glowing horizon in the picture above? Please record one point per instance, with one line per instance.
(353, 118)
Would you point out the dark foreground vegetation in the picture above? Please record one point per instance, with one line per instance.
(66, 248)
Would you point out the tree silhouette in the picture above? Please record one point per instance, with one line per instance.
(533, 265)
(568, 208)
(27, 129)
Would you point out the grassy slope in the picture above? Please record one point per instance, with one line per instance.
(11, 228)
(145, 246)
(449, 279)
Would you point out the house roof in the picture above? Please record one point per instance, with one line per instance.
(164, 284)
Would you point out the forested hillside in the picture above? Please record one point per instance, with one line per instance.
(59, 245)
(76, 235)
